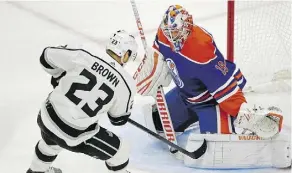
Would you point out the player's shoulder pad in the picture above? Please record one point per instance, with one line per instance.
(199, 47)
(65, 47)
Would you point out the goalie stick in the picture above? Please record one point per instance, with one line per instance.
(160, 97)
(195, 154)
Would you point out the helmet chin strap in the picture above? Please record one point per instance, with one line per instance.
(123, 59)
(117, 58)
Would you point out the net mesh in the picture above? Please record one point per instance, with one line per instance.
(262, 40)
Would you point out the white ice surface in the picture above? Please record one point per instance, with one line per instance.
(27, 27)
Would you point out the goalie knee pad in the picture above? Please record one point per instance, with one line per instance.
(152, 119)
(153, 122)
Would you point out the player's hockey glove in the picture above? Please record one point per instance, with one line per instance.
(118, 121)
(55, 80)
(264, 122)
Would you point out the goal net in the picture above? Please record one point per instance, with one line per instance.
(259, 41)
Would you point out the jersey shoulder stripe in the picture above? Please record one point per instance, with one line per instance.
(44, 62)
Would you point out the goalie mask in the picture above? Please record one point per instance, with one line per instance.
(120, 43)
(176, 25)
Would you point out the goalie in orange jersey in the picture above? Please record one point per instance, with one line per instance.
(208, 87)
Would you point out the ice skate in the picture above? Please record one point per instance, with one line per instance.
(50, 170)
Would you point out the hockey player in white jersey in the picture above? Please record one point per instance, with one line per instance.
(86, 88)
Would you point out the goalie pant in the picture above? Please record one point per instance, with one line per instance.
(104, 145)
(183, 114)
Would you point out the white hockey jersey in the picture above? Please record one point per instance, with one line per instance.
(92, 87)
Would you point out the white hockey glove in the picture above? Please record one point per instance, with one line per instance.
(265, 123)
(152, 73)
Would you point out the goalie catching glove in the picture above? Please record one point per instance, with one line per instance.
(152, 73)
(265, 123)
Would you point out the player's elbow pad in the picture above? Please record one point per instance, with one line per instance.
(44, 62)
(47, 64)
(118, 121)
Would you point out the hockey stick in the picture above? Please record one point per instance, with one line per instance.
(160, 97)
(195, 154)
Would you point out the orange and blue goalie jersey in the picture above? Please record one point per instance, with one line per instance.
(201, 73)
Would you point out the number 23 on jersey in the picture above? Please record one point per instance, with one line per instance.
(88, 87)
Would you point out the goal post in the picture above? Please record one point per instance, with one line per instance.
(259, 39)
(230, 31)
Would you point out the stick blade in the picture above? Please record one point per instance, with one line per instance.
(173, 150)
(200, 151)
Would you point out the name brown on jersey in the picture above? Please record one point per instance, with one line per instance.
(100, 69)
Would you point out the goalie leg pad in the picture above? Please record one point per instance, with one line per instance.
(182, 117)
(148, 115)
(240, 151)
(152, 119)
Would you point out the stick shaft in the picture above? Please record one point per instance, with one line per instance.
(157, 136)
(160, 97)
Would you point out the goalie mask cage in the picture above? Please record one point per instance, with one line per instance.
(259, 41)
